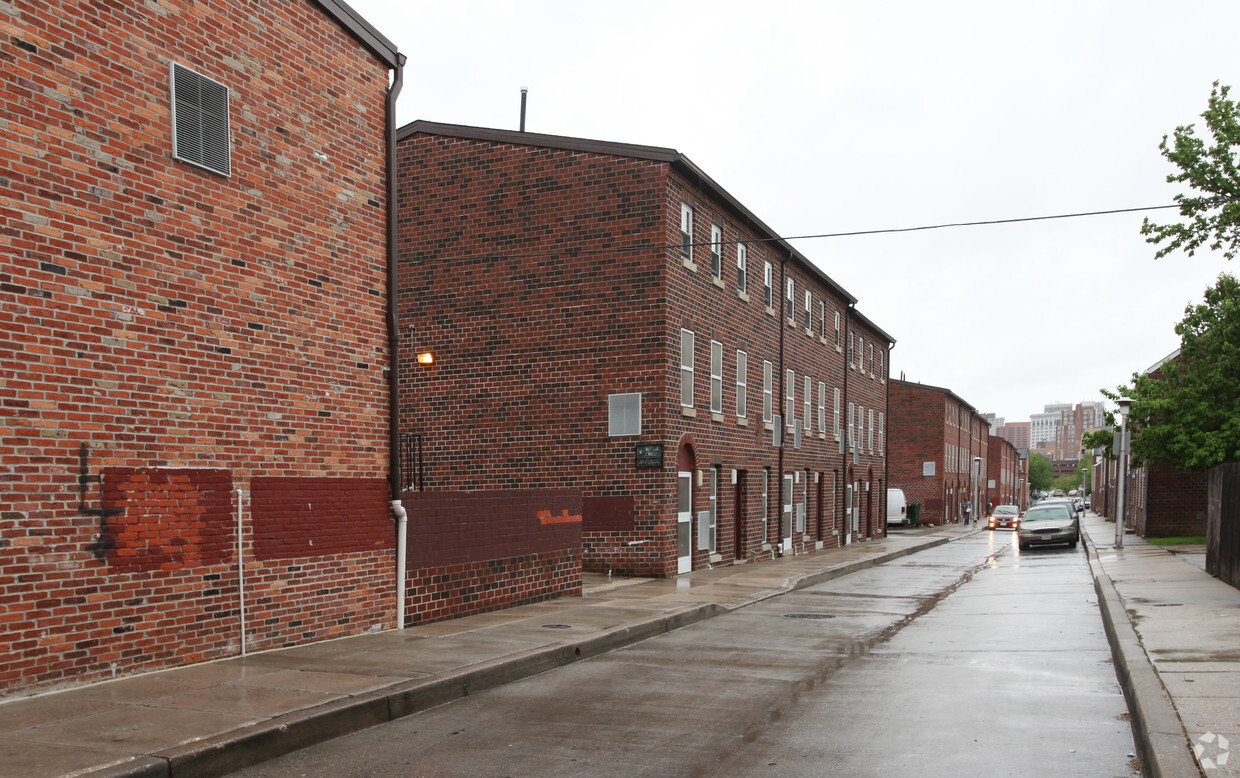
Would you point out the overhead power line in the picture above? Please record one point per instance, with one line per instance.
(786, 238)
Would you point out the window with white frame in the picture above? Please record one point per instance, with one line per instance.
(686, 231)
(822, 407)
(742, 383)
(822, 320)
(871, 441)
(624, 414)
(871, 357)
(809, 308)
(767, 377)
(807, 417)
(790, 301)
(835, 425)
(686, 368)
(852, 421)
(860, 427)
(852, 349)
(837, 329)
(716, 251)
(790, 397)
(769, 280)
(742, 256)
(716, 377)
(861, 353)
(880, 433)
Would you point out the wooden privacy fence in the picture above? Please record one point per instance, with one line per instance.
(1223, 524)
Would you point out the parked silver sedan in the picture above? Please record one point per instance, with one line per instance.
(1049, 523)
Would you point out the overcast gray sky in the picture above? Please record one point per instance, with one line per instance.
(826, 117)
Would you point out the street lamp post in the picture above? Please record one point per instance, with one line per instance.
(977, 469)
(1122, 453)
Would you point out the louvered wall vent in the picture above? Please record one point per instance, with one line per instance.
(200, 134)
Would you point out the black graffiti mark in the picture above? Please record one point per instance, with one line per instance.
(105, 541)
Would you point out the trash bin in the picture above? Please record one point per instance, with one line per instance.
(914, 514)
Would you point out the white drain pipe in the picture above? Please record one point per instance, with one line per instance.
(402, 524)
(241, 567)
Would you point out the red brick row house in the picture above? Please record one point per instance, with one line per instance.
(1005, 478)
(1160, 500)
(196, 436)
(935, 438)
(605, 318)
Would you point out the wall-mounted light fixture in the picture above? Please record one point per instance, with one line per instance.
(426, 357)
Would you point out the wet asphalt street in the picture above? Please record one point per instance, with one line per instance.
(966, 659)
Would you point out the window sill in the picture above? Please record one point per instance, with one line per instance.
(766, 425)
(740, 295)
(716, 416)
(690, 412)
(714, 558)
(809, 333)
(687, 264)
(770, 311)
(717, 281)
(741, 421)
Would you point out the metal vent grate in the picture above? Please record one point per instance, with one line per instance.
(200, 133)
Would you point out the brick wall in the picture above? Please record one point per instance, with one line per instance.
(193, 331)
(541, 275)
(1175, 504)
(471, 552)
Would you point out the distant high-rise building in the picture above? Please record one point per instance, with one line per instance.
(1016, 433)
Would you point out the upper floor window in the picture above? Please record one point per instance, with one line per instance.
(822, 320)
(716, 377)
(790, 301)
(809, 307)
(790, 399)
(770, 284)
(200, 128)
(871, 357)
(860, 353)
(835, 424)
(686, 231)
(624, 414)
(822, 407)
(742, 382)
(767, 380)
(686, 368)
(837, 329)
(807, 416)
(741, 258)
(716, 251)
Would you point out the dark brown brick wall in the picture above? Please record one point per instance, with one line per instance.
(543, 280)
(315, 517)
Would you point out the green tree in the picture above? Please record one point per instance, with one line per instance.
(1190, 417)
(1041, 474)
(1213, 213)
(1103, 439)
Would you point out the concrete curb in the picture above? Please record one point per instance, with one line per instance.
(263, 741)
(1162, 742)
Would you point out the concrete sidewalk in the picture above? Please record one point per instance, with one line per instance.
(1175, 637)
(213, 718)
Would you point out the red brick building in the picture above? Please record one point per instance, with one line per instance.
(1160, 500)
(935, 436)
(196, 434)
(605, 318)
(1005, 483)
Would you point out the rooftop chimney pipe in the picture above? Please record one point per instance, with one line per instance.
(523, 91)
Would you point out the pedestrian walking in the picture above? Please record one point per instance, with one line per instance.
(968, 509)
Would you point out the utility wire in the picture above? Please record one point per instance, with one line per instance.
(854, 233)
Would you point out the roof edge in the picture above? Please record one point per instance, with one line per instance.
(652, 153)
(382, 48)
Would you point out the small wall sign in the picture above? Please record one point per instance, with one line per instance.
(648, 454)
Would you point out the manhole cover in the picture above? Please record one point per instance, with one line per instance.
(556, 626)
(808, 616)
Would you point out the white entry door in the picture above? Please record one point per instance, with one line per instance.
(684, 523)
(786, 528)
(849, 522)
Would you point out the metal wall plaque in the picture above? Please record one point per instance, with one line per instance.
(648, 454)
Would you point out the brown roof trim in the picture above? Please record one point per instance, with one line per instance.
(943, 390)
(874, 327)
(383, 49)
(679, 161)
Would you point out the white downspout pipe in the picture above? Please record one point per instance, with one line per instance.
(241, 568)
(402, 529)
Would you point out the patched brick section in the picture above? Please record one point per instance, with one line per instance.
(607, 514)
(173, 319)
(314, 517)
(1164, 502)
(471, 552)
(166, 519)
(447, 528)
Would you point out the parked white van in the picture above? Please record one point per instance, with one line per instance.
(897, 508)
